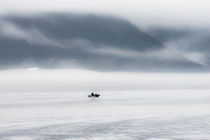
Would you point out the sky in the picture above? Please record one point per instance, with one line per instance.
(105, 35)
(142, 12)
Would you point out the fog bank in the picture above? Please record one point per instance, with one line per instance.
(34, 79)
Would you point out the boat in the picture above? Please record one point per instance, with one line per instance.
(93, 95)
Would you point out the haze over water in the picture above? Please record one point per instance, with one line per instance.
(154, 111)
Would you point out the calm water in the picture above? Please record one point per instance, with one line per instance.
(170, 114)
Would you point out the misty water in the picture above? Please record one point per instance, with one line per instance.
(147, 114)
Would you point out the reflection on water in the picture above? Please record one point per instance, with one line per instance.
(130, 115)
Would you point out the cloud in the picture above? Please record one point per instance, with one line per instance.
(188, 13)
(32, 35)
(192, 44)
(92, 42)
(98, 29)
(167, 53)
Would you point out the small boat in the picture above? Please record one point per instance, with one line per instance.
(93, 95)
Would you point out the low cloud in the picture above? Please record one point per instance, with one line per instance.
(32, 36)
(36, 45)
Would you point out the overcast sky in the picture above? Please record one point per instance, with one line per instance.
(106, 35)
(193, 13)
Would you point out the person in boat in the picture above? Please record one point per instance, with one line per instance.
(93, 95)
